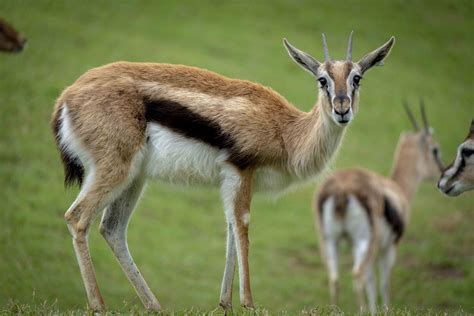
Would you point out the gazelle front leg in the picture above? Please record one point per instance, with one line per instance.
(236, 194)
(229, 271)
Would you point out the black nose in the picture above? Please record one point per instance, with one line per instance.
(342, 113)
(341, 99)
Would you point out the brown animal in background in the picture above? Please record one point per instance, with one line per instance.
(371, 211)
(459, 175)
(123, 123)
(10, 40)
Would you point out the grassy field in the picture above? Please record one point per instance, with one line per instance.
(177, 236)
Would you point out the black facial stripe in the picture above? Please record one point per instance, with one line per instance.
(393, 219)
(467, 152)
(182, 120)
(460, 169)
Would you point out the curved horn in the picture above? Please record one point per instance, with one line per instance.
(426, 125)
(325, 47)
(410, 116)
(349, 48)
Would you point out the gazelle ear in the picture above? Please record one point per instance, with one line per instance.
(301, 58)
(376, 57)
(471, 130)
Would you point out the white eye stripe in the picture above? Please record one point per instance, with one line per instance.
(329, 82)
(350, 81)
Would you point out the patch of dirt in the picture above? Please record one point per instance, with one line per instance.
(308, 257)
(445, 271)
(442, 270)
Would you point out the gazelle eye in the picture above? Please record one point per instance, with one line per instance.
(435, 151)
(323, 82)
(356, 80)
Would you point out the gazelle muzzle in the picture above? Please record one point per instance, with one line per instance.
(341, 109)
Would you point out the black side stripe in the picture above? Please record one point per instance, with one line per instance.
(182, 120)
(393, 219)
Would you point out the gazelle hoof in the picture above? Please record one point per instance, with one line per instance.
(226, 306)
(97, 308)
(248, 305)
(154, 307)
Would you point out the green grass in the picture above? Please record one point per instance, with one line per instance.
(177, 236)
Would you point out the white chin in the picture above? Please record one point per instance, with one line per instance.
(342, 121)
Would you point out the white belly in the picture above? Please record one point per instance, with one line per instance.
(176, 159)
(173, 158)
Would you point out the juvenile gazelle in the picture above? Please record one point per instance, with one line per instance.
(371, 211)
(10, 40)
(123, 123)
(458, 177)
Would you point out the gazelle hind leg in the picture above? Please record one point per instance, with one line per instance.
(361, 232)
(330, 233)
(113, 228)
(332, 265)
(95, 195)
(370, 288)
(360, 251)
(386, 262)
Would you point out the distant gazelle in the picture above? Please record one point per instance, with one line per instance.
(123, 123)
(11, 40)
(459, 175)
(371, 211)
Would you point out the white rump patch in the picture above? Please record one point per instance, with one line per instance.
(356, 220)
(69, 142)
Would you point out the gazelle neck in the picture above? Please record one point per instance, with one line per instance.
(405, 171)
(312, 139)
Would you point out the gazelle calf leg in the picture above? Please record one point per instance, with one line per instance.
(113, 227)
(386, 262)
(236, 194)
(229, 271)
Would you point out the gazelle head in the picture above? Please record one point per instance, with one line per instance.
(459, 175)
(339, 80)
(424, 149)
(10, 40)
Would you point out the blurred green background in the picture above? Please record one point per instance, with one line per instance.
(177, 236)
